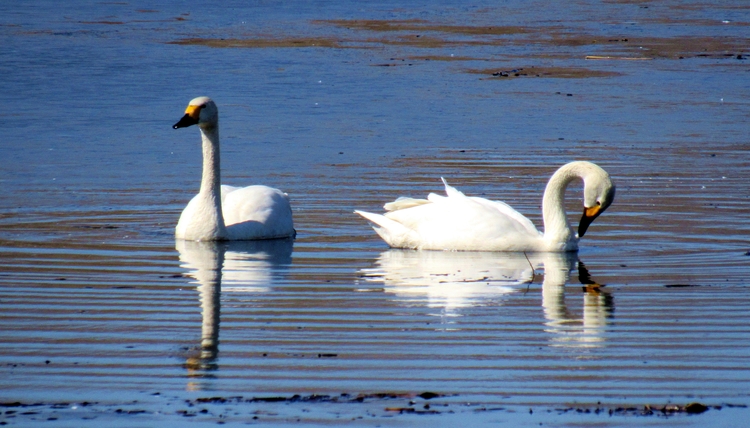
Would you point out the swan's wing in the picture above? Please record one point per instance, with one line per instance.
(403, 203)
(251, 203)
(458, 222)
(502, 207)
(225, 190)
(256, 212)
(454, 222)
(507, 210)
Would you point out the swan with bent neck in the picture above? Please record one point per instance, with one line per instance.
(225, 213)
(461, 223)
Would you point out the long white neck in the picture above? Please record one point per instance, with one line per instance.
(211, 181)
(210, 190)
(556, 226)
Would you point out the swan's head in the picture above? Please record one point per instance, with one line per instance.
(598, 195)
(201, 111)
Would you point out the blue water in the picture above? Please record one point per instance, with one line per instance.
(93, 178)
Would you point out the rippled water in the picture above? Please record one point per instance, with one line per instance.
(101, 305)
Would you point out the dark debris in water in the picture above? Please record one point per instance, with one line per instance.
(296, 398)
(403, 410)
(220, 408)
(694, 408)
(428, 395)
(553, 72)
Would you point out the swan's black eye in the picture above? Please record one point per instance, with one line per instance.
(598, 203)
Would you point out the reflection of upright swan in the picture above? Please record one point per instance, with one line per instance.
(242, 266)
(449, 280)
(570, 330)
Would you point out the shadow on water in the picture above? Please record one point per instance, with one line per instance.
(229, 267)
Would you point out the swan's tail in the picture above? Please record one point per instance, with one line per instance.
(450, 190)
(393, 233)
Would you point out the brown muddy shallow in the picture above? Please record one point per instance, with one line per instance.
(292, 42)
(110, 322)
(555, 42)
(551, 40)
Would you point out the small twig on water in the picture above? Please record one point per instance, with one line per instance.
(533, 273)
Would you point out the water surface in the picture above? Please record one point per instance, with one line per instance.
(345, 107)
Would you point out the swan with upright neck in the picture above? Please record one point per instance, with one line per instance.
(461, 223)
(225, 213)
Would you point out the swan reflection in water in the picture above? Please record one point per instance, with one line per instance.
(570, 330)
(454, 280)
(449, 280)
(229, 267)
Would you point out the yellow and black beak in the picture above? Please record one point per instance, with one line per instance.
(588, 217)
(192, 114)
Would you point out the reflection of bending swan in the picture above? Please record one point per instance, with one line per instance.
(449, 279)
(229, 266)
(219, 212)
(458, 222)
(570, 330)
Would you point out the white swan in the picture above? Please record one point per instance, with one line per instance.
(219, 212)
(461, 223)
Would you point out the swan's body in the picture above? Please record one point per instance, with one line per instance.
(219, 213)
(461, 223)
